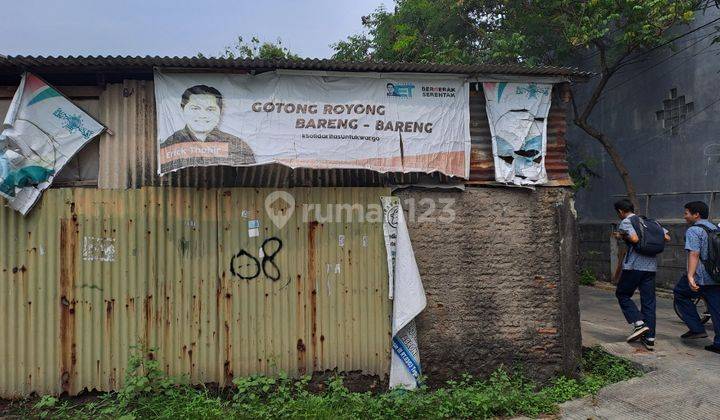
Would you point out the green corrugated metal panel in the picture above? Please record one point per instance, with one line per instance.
(91, 272)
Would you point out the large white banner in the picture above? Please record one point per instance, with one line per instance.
(388, 123)
(41, 132)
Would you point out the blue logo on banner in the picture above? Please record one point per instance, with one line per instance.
(406, 356)
(403, 91)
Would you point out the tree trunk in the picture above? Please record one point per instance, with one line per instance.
(581, 119)
(616, 159)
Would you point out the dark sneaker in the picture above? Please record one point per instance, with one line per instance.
(648, 343)
(693, 335)
(713, 348)
(638, 331)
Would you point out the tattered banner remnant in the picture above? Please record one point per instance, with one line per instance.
(41, 132)
(517, 113)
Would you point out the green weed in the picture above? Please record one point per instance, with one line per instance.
(587, 277)
(149, 393)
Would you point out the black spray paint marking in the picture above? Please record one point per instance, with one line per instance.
(269, 258)
(243, 259)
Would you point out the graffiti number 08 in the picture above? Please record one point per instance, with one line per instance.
(248, 267)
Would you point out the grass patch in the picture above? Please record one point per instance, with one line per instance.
(587, 277)
(149, 393)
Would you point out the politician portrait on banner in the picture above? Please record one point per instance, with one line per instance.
(386, 124)
(199, 142)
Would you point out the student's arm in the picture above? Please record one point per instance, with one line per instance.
(692, 246)
(693, 260)
(627, 232)
(632, 238)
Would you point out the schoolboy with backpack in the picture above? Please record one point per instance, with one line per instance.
(645, 239)
(702, 243)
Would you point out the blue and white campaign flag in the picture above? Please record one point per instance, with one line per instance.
(408, 297)
(41, 132)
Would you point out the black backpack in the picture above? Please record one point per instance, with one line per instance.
(651, 235)
(712, 263)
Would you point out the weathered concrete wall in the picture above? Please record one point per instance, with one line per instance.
(595, 252)
(682, 158)
(595, 249)
(500, 282)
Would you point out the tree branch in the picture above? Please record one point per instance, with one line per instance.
(614, 156)
(594, 98)
(574, 104)
(606, 74)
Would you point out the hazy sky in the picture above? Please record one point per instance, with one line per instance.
(179, 27)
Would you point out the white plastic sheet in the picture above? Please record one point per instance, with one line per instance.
(408, 301)
(390, 207)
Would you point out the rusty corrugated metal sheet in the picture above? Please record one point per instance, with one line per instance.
(482, 167)
(29, 296)
(91, 272)
(115, 63)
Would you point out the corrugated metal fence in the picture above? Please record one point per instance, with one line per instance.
(91, 272)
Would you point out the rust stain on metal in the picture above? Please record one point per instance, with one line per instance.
(227, 372)
(300, 323)
(312, 278)
(68, 252)
(301, 346)
(224, 305)
(148, 318)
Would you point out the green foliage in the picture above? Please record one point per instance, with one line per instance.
(47, 401)
(256, 49)
(557, 31)
(143, 377)
(582, 173)
(150, 394)
(604, 367)
(354, 48)
(418, 30)
(45, 405)
(587, 277)
(518, 31)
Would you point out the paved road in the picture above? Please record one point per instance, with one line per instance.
(683, 381)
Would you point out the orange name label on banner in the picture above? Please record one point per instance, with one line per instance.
(194, 149)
